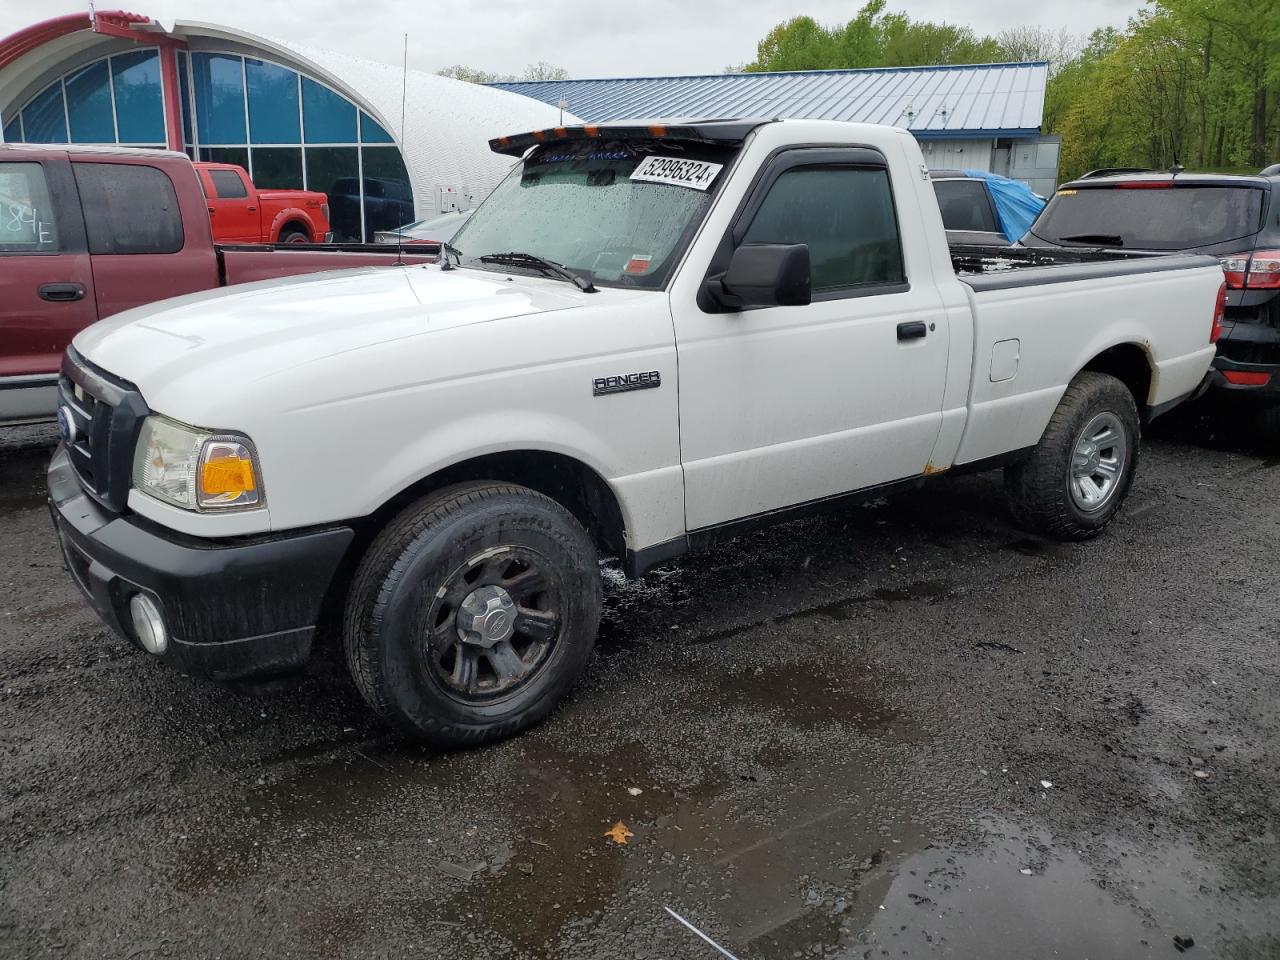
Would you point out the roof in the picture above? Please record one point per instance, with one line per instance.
(994, 99)
(110, 149)
(1164, 176)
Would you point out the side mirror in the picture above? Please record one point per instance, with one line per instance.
(764, 275)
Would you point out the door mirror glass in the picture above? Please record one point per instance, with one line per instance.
(764, 275)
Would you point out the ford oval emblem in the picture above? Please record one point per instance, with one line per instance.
(66, 425)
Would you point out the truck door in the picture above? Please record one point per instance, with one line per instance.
(144, 244)
(233, 205)
(46, 286)
(781, 406)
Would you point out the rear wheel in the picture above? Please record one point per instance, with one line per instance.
(294, 235)
(473, 613)
(1074, 483)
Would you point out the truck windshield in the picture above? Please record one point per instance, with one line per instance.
(617, 212)
(1172, 218)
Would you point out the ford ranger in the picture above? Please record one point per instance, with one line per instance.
(648, 338)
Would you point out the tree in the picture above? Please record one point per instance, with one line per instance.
(1058, 48)
(534, 71)
(468, 74)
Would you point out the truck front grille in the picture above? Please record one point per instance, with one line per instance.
(104, 415)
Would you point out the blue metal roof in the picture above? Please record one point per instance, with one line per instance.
(996, 99)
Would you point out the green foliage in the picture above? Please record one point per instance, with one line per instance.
(1192, 81)
(873, 38)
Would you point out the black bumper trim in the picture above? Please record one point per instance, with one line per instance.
(233, 609)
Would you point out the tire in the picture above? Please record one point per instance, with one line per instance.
(294, 235)
(1043, 491)
(423, 605)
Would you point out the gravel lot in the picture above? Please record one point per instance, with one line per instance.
(905, 729)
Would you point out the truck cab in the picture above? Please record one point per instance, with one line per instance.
(241, 213)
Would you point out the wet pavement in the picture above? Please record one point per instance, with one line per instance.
(902, 730)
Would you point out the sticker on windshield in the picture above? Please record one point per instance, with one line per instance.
(674, 170)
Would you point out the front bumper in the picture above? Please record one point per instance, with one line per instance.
(237, 609)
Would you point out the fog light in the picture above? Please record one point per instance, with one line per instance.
(148, 625)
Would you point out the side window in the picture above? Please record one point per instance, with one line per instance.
(228, 185)
(27, 223)
(129, 208)
(965, 205)
(845, 215)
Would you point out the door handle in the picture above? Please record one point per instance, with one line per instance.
(913, 330)
(252, 209)
(61, 292)
(211, 211)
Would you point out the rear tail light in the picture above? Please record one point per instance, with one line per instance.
(1219, 313)
(324, 209)
(1260, 271)
(1144, 185)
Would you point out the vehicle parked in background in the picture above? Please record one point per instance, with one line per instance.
(86, 232)
(649, 338)
(241, 213)
(984, 209)
(434, 230)
(387, 203)
(1234, 218)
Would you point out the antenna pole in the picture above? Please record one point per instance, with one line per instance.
(404, 95)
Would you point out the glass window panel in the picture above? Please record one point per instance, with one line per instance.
(965, 205)
(13, 130)
(139, 104)
(388, 200)
(277, 168)
(44, 119)
(184, 87)
(329, 118)
(89, 104)
(844, 214)
(371, 131)
(128, 208)
(219, 92)
(26, 213)
(228, 185)
(237, 155)
(336, 171)
(273, 103)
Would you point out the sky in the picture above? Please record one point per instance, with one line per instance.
(589, 38)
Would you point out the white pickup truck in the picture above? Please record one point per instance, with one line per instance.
(646, 339)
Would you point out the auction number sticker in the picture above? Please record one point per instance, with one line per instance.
(675, 170)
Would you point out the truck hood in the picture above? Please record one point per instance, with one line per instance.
(239, 335)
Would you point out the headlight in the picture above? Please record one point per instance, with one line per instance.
(195, 469)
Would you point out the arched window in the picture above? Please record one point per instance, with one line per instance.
(117, 99)
(289, 130)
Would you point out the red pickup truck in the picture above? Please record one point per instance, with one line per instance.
(241, 213)
(86, 232)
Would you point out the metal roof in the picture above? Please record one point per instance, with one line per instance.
(994, 99)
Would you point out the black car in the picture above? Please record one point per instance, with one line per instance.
(1234, 218)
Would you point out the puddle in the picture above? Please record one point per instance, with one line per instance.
(982, 904)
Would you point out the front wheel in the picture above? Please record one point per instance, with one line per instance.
(1074, 482)
(473, 613)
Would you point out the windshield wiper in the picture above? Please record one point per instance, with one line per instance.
(549, 267)
(1110, 239)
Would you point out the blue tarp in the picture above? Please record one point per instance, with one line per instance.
(1016, 205)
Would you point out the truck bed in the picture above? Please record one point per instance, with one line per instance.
(976, 259)
(247, 262)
